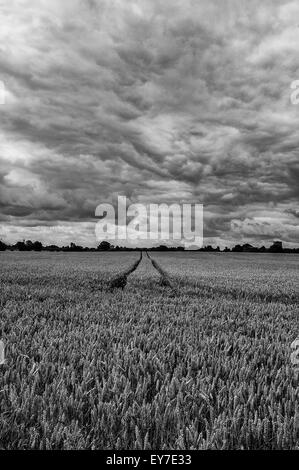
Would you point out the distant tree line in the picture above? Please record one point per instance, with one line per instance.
(28, 245)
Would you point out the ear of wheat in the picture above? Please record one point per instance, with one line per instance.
(2, 353)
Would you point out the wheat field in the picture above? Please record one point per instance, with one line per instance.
(153, 351)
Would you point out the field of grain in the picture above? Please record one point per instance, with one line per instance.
(171, 351)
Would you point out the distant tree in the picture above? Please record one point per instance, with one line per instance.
(28, 245)
(248, 247)
(37, 246)
(3, 246)
(105, 246)
(74, 247)
(208, 248)
(237, 248)
(52, 248)
(21, 246)
(276, 247)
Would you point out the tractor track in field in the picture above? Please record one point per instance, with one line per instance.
(120, 280)
(164, 278)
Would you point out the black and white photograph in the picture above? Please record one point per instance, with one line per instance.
(149, 228)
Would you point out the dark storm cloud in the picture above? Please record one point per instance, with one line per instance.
(159, 100)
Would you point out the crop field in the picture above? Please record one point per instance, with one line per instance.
(160, 351)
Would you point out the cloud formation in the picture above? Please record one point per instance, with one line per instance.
(161, 101)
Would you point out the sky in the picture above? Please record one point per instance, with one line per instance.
(161, 101)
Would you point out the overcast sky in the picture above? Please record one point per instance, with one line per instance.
(158, 100)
